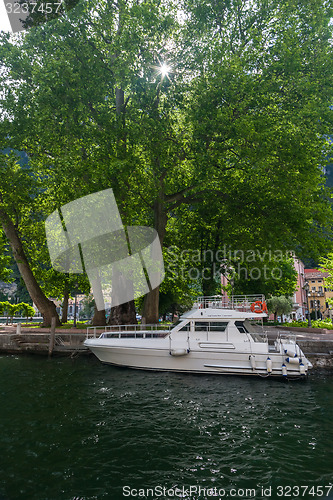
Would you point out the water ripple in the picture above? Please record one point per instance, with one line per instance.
(78, 429)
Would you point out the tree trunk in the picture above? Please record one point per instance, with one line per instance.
(150, 307)
(65, 306)
(120, 100)
(151, 301)
(209, 284)
(46, 307)
(124, 314)
(99, 317)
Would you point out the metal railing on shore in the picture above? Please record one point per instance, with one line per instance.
(19, 319)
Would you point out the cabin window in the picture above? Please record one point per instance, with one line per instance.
(185, 328)
(201, 326)
(241, 327)
(212, 326)
(218, 326)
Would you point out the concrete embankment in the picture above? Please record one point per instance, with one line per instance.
(64, 342)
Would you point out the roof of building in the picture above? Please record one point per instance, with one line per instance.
(315, 274)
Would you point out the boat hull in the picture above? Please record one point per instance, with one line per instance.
(160, 359)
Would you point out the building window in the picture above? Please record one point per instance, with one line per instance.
(311, 304)
(320, 289)
(313, 288)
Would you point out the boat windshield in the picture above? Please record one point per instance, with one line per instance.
(177, 323)
(184, 328)
(241, 326)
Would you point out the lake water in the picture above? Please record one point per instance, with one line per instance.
(76, 429)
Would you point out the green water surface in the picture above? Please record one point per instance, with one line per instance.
(76, 429)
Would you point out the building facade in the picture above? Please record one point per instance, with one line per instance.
(319, 293)
(299, 299)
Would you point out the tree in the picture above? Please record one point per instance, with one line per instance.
(88, 307)
(53, 283)
(232, 137)
(25, 309)
(10, 309)
(5, 271)
(15, 206)
(264, 272)
(93, 108)
(279, 305)
(40, 13)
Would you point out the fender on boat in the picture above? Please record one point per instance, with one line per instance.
(178, 352)
(269, 365)
(294, 360)
(290, 354)
(302, 369)
(252, 361)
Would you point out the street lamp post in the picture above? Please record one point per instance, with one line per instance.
(306, 288)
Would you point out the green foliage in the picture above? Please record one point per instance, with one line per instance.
(12, 309)
(25, 309)
(3, 307)
(178, 289)
(40, 12)
(5, 261)
(326, 265)
(226, 150)
(87, 310)
(8, 308)
(272, 275)
(279, 305)
(324, 323)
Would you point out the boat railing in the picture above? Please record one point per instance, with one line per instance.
(259, 337)
(134, 331)
(287, 337)
(238, 302)
(133, 335)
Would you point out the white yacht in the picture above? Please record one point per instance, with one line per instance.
(218, 335)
